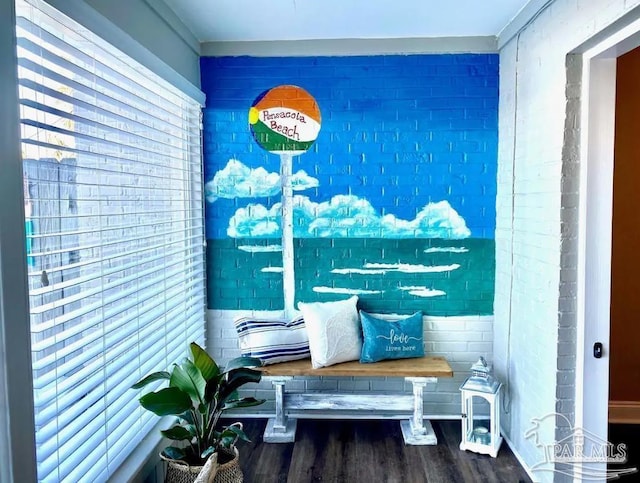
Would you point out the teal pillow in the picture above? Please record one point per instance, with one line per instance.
(391, 339)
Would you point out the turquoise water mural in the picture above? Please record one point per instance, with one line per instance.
(439, 277)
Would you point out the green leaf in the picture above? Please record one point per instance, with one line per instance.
(188, 378)
(156, 376)
(237, 432)
(187, 417)
(242, 403)
(239, 362)
(177, 433)
(174, 453)
(203, 361)
(167, 401)
(227, 440)
(212, 388)
(235, 379)
(205, 454)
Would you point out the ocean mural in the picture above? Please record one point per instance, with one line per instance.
(395, 201)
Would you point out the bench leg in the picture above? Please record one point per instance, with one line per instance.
(416, 431)
(280, 429)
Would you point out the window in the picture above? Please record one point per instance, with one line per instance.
(115, 238)
(4, 427)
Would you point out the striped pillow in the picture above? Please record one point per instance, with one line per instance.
(273, 340)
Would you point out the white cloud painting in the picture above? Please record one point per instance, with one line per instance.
(237, 180)
(347, 216)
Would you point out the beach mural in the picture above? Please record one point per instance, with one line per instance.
(388, 194)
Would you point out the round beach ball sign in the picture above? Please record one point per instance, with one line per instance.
(285, 119)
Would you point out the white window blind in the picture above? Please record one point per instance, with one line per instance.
(114, 222)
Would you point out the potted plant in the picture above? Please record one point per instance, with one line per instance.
(199, 392)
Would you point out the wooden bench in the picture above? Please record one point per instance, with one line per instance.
(417, 371)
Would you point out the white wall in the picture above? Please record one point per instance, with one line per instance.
(535, 301)
(462, 340)
(146, 30)
(157, 28)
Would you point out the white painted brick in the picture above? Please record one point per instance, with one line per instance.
(320, 385)
(534, 299)
(441, 336)
(395, 384)
(227, 343)
(228, 354)
(446, 346)
(481, 325)
(451, 325)
(229, 334)
(461, 366)
(466, 357)
(438, 397)
(481, 348)
(452, 387)
(436, 409)
(355, 385)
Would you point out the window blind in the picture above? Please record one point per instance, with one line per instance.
(115, 238)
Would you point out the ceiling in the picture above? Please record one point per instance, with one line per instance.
(251, 20)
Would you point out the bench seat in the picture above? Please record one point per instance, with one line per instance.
(418, 371)
(416, 367)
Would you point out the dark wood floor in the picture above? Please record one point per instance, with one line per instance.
(629, 434)
(369, 452)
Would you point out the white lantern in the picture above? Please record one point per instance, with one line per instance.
(481, 411)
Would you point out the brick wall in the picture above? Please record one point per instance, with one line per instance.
(536, 257)
(460, 339)
(399, 133)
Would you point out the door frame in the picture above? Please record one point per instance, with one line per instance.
(597, 131)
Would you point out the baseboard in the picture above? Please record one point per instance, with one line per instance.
(518, 457)
(626, 412)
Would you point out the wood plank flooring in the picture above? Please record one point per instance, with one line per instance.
(369, 452)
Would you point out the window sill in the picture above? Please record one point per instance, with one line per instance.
(144, 458)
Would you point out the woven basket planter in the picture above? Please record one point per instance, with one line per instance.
(178, 472)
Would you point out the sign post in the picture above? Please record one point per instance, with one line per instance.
(286, 120)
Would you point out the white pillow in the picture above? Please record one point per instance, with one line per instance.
(334, 331)
(272, 340)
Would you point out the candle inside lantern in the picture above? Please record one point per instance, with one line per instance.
(481, 435)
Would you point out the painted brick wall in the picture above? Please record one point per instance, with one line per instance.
(536, 257)
(399, 133)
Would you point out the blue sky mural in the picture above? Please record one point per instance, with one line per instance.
(398, 131)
